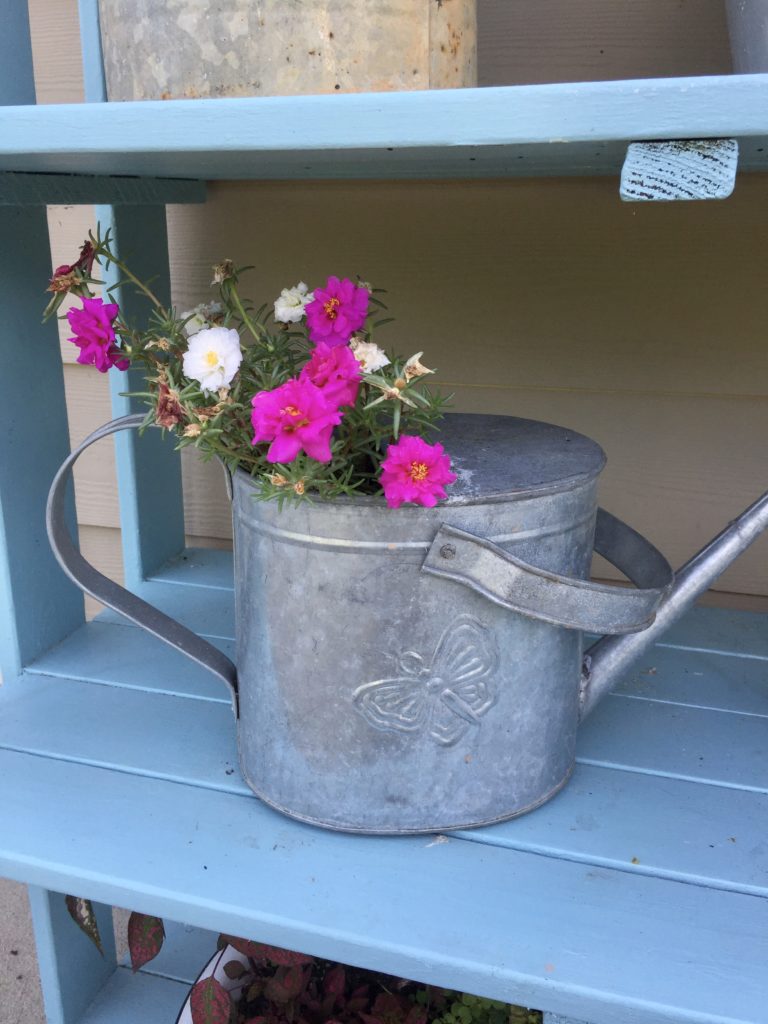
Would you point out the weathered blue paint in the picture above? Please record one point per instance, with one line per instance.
(148, 469)
(580, 128)
(19, 189)
(44, 719)
(90, 42)
(71, 969)
(38, 605)
(556, 1018)
(647, 838)
(450, 912)
(17, 78)
(687, 169)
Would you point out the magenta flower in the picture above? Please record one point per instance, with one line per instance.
(335, 371)
(95, 335)
(415, 471)
(338, 310)
(293, 417)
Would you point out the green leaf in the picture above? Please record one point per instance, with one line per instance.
(396, 420)
(82, 913)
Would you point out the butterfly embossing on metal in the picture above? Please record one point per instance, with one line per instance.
(443, 696)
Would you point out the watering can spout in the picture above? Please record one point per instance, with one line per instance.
(606, 661)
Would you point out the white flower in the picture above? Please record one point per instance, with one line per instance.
(289, 307)
(203, 315)
(369, 355)
(213, 357)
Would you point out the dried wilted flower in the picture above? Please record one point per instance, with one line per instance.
(169, 412)
(277, 479)
(63, 279)
(223, 271)
(298, 487)
(193, 430)
(162, 343)
(414, 369)
(208, 412)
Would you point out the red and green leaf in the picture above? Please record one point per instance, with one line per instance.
(335, 980)
(260, 951)
(286, 983)
(210, 1003)
(145, 938)
(82, 913)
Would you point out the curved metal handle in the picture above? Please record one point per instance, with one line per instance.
(550, 597)
(112, 594)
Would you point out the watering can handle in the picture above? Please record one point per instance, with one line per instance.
(112, 594)
(560, 600)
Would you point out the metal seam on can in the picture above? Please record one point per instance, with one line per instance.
(310, 540)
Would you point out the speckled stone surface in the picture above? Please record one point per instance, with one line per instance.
(172, 49)
(20, 998)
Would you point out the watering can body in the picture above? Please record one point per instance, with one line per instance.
(421, 669)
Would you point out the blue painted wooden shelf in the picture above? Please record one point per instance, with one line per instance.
(511, 131)
(654, 854)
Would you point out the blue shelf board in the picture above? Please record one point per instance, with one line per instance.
(654, 854)
(509, 131)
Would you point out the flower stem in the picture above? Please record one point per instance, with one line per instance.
(139, 284)
(245, 318)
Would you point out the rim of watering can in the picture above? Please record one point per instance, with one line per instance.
(529, 442)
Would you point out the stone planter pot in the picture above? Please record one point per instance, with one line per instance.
(173, 49)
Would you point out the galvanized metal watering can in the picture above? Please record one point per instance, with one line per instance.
(421, 669)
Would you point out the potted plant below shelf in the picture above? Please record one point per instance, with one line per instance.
(247, 982)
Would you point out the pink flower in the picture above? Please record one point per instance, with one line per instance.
(335, 371)
(294, 416)
(338, 310)
(95, 335)
(415, 471)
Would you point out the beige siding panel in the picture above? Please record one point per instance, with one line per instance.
(219, 543)
(206, 506)
(68, 228)
(541, 283)
(678, 468)
(526, 41)
(56, 52)
(101, 547)
(95, 481)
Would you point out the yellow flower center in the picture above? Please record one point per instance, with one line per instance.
(331, 307)
(419, 470)
(291, 410)
(212, 358)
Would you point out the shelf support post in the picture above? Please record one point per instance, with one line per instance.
(148, 469)
(72, 971)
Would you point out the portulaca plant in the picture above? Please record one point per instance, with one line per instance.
(297, 393)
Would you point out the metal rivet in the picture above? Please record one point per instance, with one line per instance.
(447, 551)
